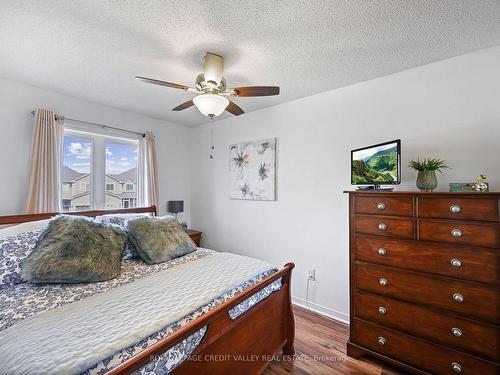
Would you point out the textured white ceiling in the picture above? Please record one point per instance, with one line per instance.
(93, 48)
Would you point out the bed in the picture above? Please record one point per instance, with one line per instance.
(240, 331)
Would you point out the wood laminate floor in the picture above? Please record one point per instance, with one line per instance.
(320, 348)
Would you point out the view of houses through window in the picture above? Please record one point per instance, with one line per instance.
(118, 170)
(76, 174)
(121, 175)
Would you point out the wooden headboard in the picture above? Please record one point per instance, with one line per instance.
(16, 219)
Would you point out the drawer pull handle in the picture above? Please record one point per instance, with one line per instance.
(456, 367)
(382, 226)
(456, 332)
(383, 282)
(456, 262)
(382, 251)
(381, 206)
(381, 340)
(457, 297)
(456, 233)
(455, 208)
(382, 310)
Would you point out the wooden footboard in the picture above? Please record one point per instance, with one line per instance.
(244, 345)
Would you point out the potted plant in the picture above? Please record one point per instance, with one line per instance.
(426, 178)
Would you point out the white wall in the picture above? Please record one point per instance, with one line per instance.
(449, 110)
(16, 127)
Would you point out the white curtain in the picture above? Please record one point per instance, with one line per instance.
(44, 173)
(148, 172)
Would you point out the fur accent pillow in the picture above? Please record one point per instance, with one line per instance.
(75, 249)
(158, 240)
(129, 251)
(120, 220)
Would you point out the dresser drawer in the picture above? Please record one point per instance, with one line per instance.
(465, 298)
(462, 334)
(486, 235)
(473, 264)
(384, 226)
(418, 353)
(384, 205)
(483, 209)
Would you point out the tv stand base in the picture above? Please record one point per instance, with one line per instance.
(375, 187)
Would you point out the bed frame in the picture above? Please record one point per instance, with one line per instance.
(244, 345)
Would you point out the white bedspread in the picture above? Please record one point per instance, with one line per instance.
(71, 338)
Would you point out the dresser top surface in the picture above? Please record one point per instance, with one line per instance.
(426, 193)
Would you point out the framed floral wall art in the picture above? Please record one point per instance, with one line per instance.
(252, 170)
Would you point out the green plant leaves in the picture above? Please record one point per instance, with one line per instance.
(428, 165)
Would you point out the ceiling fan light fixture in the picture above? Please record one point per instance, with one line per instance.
(212, 90)
(211, 105)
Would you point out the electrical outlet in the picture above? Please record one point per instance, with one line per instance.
(312, 275)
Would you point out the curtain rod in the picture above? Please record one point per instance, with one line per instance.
(96, 124)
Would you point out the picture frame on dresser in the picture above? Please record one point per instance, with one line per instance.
(424, 280)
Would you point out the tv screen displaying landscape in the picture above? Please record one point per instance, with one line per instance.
(377, 164)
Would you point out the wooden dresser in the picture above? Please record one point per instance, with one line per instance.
(424, 280)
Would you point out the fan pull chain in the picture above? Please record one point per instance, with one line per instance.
(212, 139)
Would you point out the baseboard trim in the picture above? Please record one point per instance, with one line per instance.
(325, 311)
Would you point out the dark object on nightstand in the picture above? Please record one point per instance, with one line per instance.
(174, 207)
(195, 236)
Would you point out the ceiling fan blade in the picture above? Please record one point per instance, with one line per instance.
(234, 109)
(162, 83)
(257, 90)
(184, 105)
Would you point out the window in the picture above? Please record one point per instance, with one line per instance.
(121, 167)
(66, 204)
(129, 202)
(99, 171)
(76, 176)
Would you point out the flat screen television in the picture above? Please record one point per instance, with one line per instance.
(377, 165)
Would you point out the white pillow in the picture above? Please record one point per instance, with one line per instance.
(30, 226)
(166, 217)
(125, 216)
(132, 215)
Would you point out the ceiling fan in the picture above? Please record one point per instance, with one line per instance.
(213, 94)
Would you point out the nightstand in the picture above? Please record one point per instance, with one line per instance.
(195, 236)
